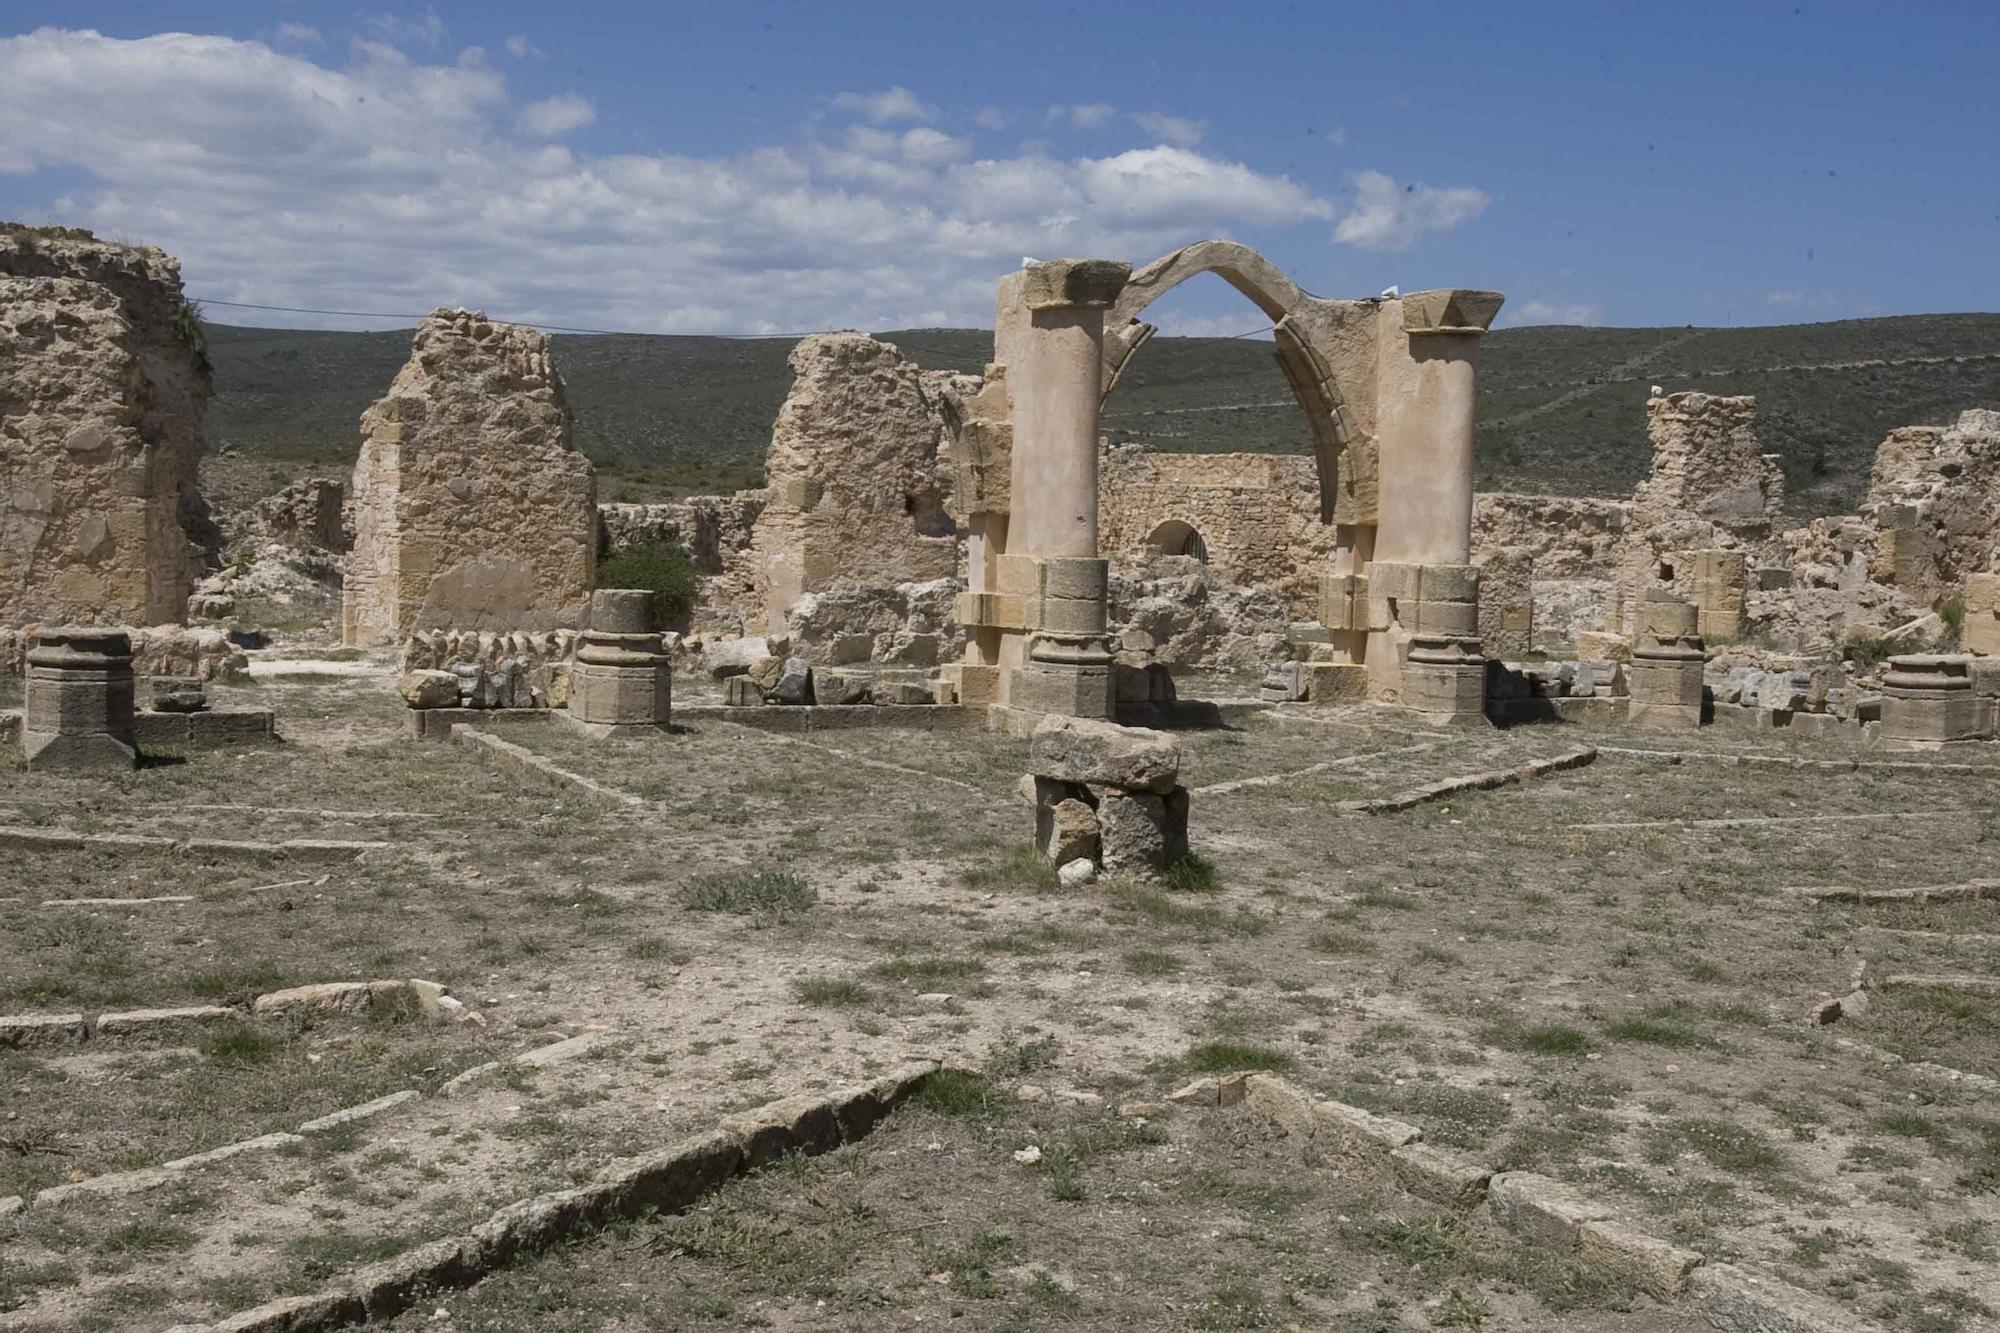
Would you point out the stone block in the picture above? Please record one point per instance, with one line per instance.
(1343, 602)
(741, 692)
(429, 689)
(1454, 618)
(617, 696)
(1603, 646)
(1103, 754)
(1066, 830)
(79, 707)
(178, 694)
(1982, 614)
(1133, 830)
(1337, 684)
(1542, 1209)
(1081, 691)
(218, 730)
(1654, 1266)
(161, 1022)
(1071, 615)
(1448, 583)
(1079, 578)
(906, 692)
(1020, 575)
(1394, 581)
(1133, 683)
(42, 1029)
(838, 687)
(794, 684)
(978, 685)
(1054, 284)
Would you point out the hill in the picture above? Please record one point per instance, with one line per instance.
(1561, 408)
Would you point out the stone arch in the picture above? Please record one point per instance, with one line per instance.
(1178, 537)
(1283, 302)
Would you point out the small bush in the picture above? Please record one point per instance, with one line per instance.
(1868, 650)
(831, 992)
(956, 1092)
(1226, 1057)
(745, 893)
(663, 569)
(1951, 613)
(1191, 874)
(239, 1044)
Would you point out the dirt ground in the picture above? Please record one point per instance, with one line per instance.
(1568, 975)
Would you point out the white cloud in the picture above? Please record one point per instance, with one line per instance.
(521, 48)
(1554, 312)
(553, 117)
(425, 29)
(388, 183)
(890, 105)
(1390, 216)
(298, 34)
(1177, 130)
(1084, 115)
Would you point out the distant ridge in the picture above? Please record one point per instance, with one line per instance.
(1562, 408)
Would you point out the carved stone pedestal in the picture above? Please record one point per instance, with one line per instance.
(1666, 668)
(79, 705)
(1928, 703)
(1444, 680)
(621, 677)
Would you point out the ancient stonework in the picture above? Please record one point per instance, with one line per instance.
(1254, 519)
(716, 531)
(1933, 496)
(103, 397)
(857, 477)
(473, 509)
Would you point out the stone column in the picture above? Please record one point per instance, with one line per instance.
(79, 706)
(621, 676)
(1055, 378)
(1928, 703)
(1666, 667)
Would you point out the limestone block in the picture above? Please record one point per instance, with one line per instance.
(1337, 684)
(732, 657)
(79, 708)
(1133, 683)
(1285, 682)
(1067, 830)
(1600, 646)
(1071, 615)
(620, 695)
(839, 687)
(742, 692)
(1078, 749)
(151, 1022)
(1398, 582)
(978, 685)
(795, 683)
(42, 1029)
(178, 694)
(1447, 583)
(429, 689)
(1450, 310)
(1982, 614)
(904, 692)
(1343, 602)
(1133, 827)
(1454, 618)
(329, 997)
(1075, 577)
(1077, 691)
(1928, 703)
(1018, 574)
(1061, 283)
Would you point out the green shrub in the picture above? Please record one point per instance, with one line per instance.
(662, 569)
(1868, 650)
(1951, 611)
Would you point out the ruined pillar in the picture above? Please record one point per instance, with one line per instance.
(1421, 583)
(621, 676)
(1928, 703)
(1054, 375)
(79, 705)
(1666, 667)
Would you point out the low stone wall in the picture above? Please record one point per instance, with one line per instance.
(157, 650)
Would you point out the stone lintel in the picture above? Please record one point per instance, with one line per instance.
(1450, 310)
(1054, 284)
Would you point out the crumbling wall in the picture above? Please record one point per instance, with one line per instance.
(305, 516)
(1258, 515)
(716, 531)
(1934, 498)
(857, 477)
(472, 507)
(103, 400)
(1546, 568)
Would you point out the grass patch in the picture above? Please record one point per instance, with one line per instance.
(831, 992)
(1018, 868)
(749, 893)
(1191, 874)
(1153, 963)
(1341, 943)
(1226, 1057)
(956, 1092)
(238, 1044)
(928, 968)
(1634, 1027)
(1537, 1039)
(1725, 1146)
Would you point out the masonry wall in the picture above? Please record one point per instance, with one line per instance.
(1258, 515)
(103, 398)
(472, 507)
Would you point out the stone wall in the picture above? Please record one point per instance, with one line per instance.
(857, 476)
(157, 650)
(472, 507)
(1934, 498)
(716, 531)
(1257, 516)
(103, 401)
(1546, 568)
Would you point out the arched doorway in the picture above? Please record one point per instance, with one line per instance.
(1177, 537)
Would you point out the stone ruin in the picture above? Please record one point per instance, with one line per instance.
(473, 508)
(104, 392)
(1106, 798)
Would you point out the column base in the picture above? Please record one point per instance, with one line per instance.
(48, 751)
(620, 696)
(1444, 683)
(1071, 689)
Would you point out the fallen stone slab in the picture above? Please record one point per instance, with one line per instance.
(164, 900)
(159, 1022)
(1439, 1175)
(1654, 1266)
(303, 849)
(1939, 893)
(17, 1030)
(1488, 781)
(1104, 754)
(668, 1181)
(524, 760)
(118, 1183)
(365, 1111)
(1737, 1300)
(1327, 766)
(1358, 1142)
(327, 997)
(1541, 1208)
(12, 1204)
(1965, 983)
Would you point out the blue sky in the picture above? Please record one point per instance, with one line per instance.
(773, 167)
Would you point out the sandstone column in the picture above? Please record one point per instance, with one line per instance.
(79, 713)
(621, 676)
(1055, 380)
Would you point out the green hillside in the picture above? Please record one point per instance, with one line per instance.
(1561, 409)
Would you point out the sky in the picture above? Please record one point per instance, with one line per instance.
(753, 167)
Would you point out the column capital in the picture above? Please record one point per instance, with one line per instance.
(1053, 284)
(1450, 310)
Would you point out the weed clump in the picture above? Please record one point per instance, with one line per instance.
(748, 893)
